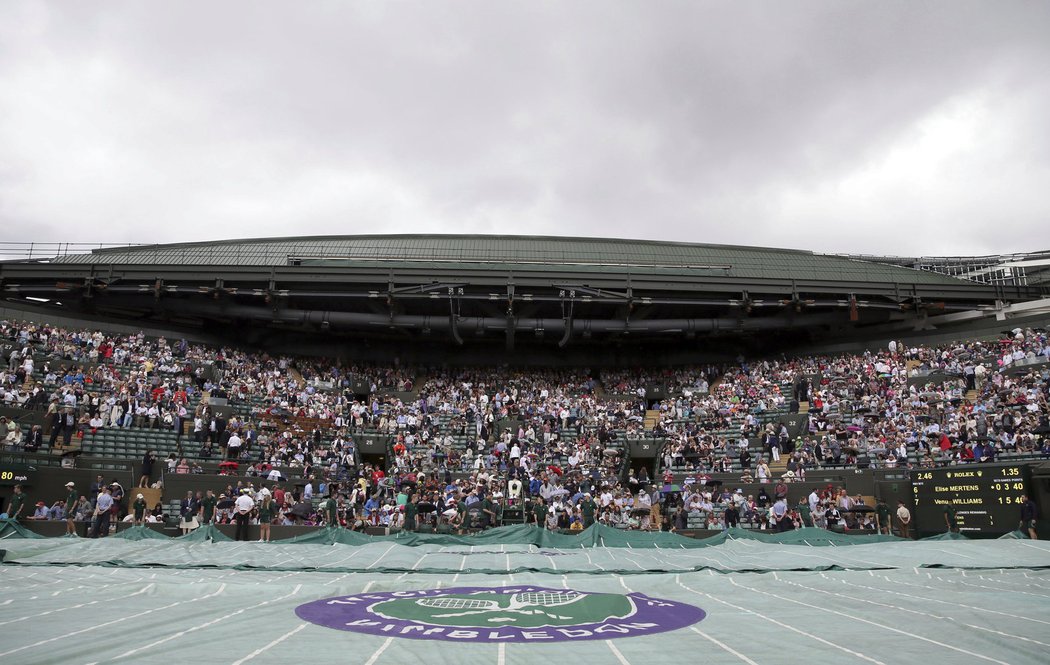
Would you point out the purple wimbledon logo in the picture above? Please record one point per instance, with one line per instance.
(501, 614)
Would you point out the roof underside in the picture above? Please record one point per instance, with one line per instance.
(404, 289)
(503, 252)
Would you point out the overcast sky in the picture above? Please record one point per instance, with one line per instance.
(895, 128)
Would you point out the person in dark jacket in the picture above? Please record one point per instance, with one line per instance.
(1028, 517)
(147, 468)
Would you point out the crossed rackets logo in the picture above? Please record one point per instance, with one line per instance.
(528, 603)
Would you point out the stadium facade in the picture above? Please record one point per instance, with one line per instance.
(515, 292)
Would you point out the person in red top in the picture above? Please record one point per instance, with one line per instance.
(377, 475)
(945, 442)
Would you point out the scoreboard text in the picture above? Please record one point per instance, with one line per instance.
(987, 497)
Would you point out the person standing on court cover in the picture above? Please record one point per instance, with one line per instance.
(882, 517)
(949, 517)
(17, 504)
(242, 513)
(103, 506)
(72, 503)
(903, 519)
(1028, 517)
(207, 507)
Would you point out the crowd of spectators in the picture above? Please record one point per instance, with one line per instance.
(896, 408)
(466, 436)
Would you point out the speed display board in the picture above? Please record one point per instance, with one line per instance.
(15, 474)
(987, 497)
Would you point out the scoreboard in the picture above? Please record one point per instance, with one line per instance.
(987, 497)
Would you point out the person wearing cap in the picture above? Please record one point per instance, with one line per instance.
(242, 513)
(40, 512)
(138, 507)
(117, 494)
(72, 503)
(267, 511)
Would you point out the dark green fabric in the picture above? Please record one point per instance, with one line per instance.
(12, 529)
(205, 533)
(597, 535)
(141, 533)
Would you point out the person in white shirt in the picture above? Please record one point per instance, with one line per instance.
(233, 446)
(242, 512)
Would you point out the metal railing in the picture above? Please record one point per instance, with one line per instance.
(41, 251)
(81, 462)
(999, 269)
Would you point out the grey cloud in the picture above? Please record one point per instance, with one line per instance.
(891, 127)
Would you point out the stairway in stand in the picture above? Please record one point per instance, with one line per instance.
(778, 468)
(714, 384)
(296, 376)
(652, 417)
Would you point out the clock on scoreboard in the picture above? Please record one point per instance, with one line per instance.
(987, 497)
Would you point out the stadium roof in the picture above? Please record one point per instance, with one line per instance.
(426, 286)
(498, 252)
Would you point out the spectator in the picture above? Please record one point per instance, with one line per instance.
(103, 510)
(147, 469)
(40, 512)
